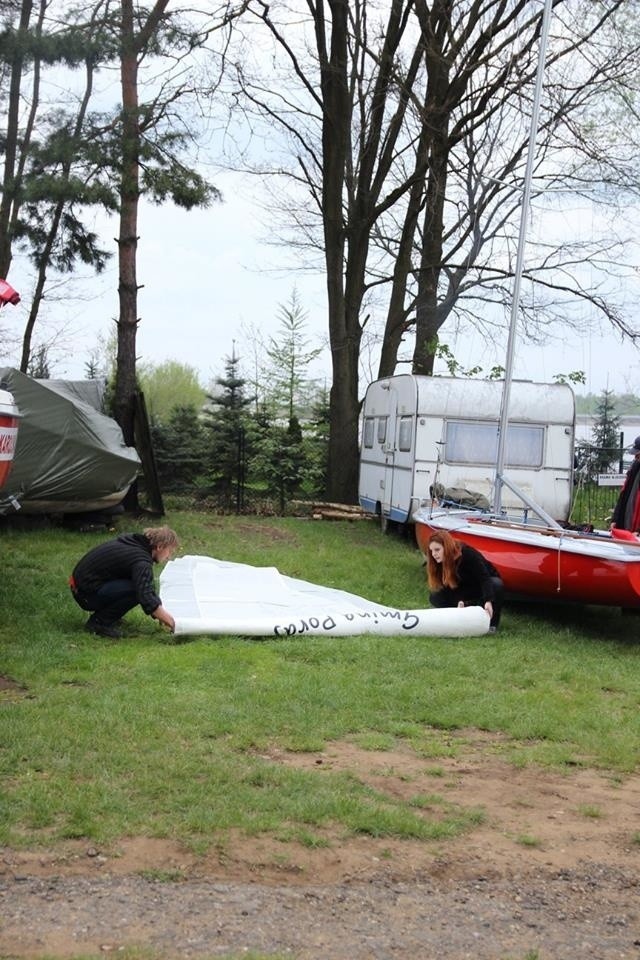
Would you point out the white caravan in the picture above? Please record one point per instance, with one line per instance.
(421, 431)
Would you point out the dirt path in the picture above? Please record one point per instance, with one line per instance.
(552, 873)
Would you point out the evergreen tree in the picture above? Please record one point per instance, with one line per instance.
(280, 460)
(605, 435)
(51, 168)
(180, 447)
(92, 369)
(226, 421)
(316, 446)
(290, 356)
(287, 450)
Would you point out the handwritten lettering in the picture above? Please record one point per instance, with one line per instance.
(407, 620)
(410, 621)
(303, 626)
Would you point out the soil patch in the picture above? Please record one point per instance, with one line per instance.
(550, 872)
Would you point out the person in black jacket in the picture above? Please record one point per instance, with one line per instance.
(114, 577)
(459, 576)
(626, 513)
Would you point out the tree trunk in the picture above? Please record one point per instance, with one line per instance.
(343, 464)
(52, 232)
(131, 46)
(437, 113)
(397, 312)
(336, 122)
(128, 233)
(429, 317)
(11, 138)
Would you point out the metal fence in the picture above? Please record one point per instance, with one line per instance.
(593, 503)
(599, 476)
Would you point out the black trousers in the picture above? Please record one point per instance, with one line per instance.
(451, 598)
(110, 602)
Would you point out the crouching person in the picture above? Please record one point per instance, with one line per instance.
(116, 576)
(459, 576)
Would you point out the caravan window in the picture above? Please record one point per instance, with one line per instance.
(472, 442)
(369, 424)
(404, 433)
(382, 429)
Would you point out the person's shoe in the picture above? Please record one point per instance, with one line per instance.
(103, 629)
(493, 629)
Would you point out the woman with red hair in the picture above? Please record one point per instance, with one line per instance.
(459, 576)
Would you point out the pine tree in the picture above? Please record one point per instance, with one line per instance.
(316, 446)
(226, 421)
(605, 434)
(289, 355)
(180, 448)
(280, 460)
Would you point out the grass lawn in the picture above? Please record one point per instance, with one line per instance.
(146, 736)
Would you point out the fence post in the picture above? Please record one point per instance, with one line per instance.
(621, 461)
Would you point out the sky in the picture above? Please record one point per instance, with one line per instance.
(209, 275)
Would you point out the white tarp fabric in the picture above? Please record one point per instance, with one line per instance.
(209, 596)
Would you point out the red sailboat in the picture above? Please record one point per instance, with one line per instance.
(535, 555)
(545, 561)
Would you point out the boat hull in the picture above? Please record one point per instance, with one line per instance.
(9, 420)
(545, 563)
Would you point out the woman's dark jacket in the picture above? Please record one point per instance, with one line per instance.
(474, 574)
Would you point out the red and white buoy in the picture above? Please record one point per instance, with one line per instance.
(9, 418)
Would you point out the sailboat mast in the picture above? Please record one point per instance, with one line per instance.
(503, 424)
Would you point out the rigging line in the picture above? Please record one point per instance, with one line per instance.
(504, 415)
(559, 585)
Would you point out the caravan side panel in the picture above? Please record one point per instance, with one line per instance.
(418, 431)
(540, 440)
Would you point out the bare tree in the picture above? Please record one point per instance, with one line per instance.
(344, 162)
(383, 108)
(461, 255)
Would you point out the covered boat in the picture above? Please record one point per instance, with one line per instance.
(9, 420)
(70, 457)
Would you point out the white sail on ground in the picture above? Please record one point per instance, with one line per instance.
(210, 596)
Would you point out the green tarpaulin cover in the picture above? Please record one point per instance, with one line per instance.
(70, 457)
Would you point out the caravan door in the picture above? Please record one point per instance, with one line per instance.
(399, 450)
(386, 438)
